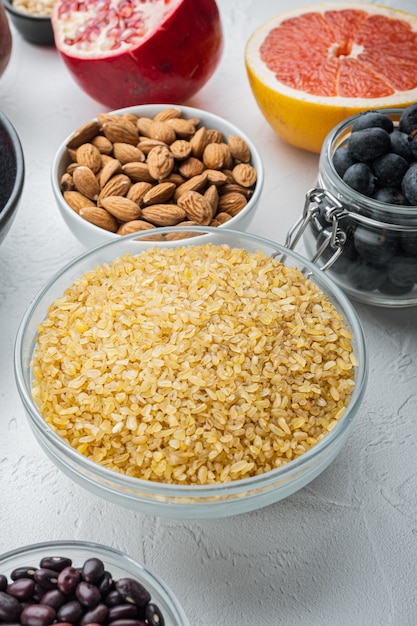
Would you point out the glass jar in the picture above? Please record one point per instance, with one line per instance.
(368, 247)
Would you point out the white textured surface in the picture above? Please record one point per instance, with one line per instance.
(342, 551)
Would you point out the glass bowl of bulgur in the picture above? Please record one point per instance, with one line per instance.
(32, 19)
(191, 380)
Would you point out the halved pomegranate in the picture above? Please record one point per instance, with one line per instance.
(5, 39)
(127, 52)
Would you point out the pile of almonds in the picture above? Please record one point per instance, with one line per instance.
(128, 173)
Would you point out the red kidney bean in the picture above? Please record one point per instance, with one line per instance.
(37, 615)
(93, 570)
(68, 579)
(23, 572)
(153, 615)
(22, 588)
(47, 578)
(59, 594)
(113, 598)
(56, 563)
(9, 608)
(54, 598)
(127, 622)
(132, 591)
(71, 611)
(98, 615)
(106, 584)
(87, 594)
(123, 611)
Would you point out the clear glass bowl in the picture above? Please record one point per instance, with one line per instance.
(367, 276)
(168, 500)
(117, 563)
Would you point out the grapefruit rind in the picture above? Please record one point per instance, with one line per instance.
(300, 118)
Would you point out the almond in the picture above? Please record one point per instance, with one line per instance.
(83, 134)
(126, 153)
(122, 208)
(164, 214)
(160, 162)
(214, 156)
(191, 167)
(176, 236)
(143, 125)
(197, 208)
(212, 195)
(167, 114)
(86, 182)
(216, 177)
(99, 217)
(198, 142)
(146, 145)
(118, 185)
(232, 203)
(196, 183)
(77, 200)
(244, 174)
(214, 136)
(239, 148)
(222, 217)
(134, 226)
(103, 144)
(184, 129)
(159, 193)
(138, 172)
(162, 131)
(181, 149)
(137, 192)
(67, 183)
(121, 132)
(89, 155)
(110, 169)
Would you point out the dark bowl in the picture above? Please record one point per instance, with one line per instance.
(34, 28)
(12, 174)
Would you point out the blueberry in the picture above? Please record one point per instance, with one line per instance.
(390, 195)
(390, 289)
(369, 143)
(389, 169)
(402, 271)
(409, 184)
(372, 119)
(408, 119)
(409, 243)
(342, 159)
(364, 276)
(412, 141)
(360, 177)
(376, 247)
(400, 144)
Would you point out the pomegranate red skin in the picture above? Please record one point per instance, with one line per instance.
(169, 67)
(5, 39)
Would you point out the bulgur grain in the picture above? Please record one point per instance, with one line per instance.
(193, 364)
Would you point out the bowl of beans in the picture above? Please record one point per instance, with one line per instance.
(12, 174)
(82, 583)
(191, 380)
(32, 19)
(153, 166)
(366, 207)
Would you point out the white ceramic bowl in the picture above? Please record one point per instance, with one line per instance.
(90, 235)
(117, 563)
(171, 500)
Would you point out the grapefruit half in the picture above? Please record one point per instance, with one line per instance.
(312, 67)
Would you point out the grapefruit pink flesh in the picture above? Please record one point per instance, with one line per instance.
(312, 67)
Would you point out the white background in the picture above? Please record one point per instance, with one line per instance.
(340, 552)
